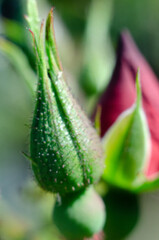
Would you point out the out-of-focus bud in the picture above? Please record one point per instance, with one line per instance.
(65, 150)
(98, 62)
(127, 146)
(80, 214)
(121, 94)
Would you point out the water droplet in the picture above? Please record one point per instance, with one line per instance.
(59, 75)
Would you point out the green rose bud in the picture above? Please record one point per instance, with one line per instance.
(65, 150)
(80, 214)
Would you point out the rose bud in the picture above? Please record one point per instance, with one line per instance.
(121, 94)
(127, 146)
(127, 150)
(80, 214)
(65, 151)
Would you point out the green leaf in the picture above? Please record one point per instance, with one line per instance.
(20, 62)
(127, 145)
(14, 31)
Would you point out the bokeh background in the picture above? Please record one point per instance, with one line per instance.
(87, 33)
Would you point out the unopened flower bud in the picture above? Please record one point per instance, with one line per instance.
(127, 146)
(80, 214)
(121, 94)
(65, 150)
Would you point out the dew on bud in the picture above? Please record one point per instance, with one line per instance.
(61, 134)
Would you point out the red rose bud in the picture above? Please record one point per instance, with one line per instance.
(127, 145)
(121, 94)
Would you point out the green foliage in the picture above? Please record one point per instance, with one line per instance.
(20, 62)
(98, 59)
(122, 213)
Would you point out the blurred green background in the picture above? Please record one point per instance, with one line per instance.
(87, 33)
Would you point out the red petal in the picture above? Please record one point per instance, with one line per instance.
(121, 94)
